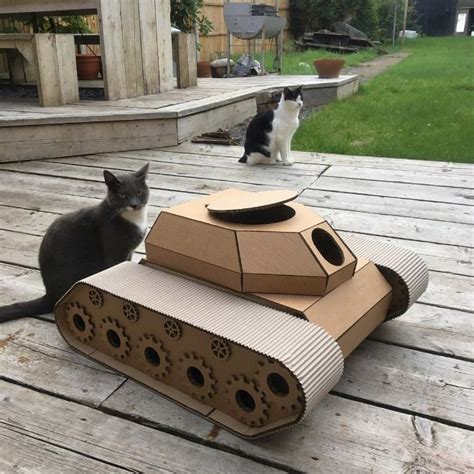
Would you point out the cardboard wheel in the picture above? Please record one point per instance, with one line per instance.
(220, 348)
(80, 322)
(115, 341)
(96, 297)
(153, 356)
(248, 403)
(130, 311)
(198, 376)
(172, 329)
(279, 388)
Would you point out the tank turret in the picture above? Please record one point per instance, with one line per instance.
(252, 242)
(244, 308)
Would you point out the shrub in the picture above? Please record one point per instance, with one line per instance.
(373, 17)
(187, 13)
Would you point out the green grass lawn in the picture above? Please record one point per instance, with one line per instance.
(422, 108)
(301, 62)
(292, 60)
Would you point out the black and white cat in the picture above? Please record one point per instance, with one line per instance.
(269, 134)
(87, 241)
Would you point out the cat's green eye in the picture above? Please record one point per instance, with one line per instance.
(139, 193)
(122, 196)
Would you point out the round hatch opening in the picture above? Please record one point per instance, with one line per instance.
(327, 247)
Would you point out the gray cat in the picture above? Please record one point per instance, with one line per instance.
(87, 241)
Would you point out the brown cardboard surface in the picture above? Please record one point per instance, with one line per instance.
(364, 326)
(290, 284)
(251, 201)
(195, 268)
(339, 310)
(298, 303)
(277, 254)
(210, 244)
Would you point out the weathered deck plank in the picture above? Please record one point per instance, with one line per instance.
(331, 159)
(115, 444)
(418, 367)
(35, 354)
(389, 206)
(340, 435)
(289, 448)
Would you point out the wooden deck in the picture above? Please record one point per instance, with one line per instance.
(405, 403)
(30, 132)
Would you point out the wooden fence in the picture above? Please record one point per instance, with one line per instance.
(217, 40)
(211, 45)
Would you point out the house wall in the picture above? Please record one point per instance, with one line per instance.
(437, 16)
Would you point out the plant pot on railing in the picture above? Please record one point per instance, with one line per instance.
(328, 68)
(89, 67)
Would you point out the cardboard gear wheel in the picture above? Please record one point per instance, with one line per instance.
(130, 311)
(247, 400)
(172, 329)
(79, 322)
(153, 356)
(96, 297)
(115, 339)
(195, 370)
(220, 348)
(279, 390)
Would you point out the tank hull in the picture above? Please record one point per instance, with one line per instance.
(215, 353)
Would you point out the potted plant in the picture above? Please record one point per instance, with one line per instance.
(89, 65)
(328, 68)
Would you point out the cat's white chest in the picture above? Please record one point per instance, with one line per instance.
(139, 218)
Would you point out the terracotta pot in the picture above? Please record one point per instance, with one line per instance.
(204, 69)
(89, 67)
(328, 68)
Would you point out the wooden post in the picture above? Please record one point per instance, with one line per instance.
(394, 31)
(136, 47)
(56, 75)
(279, 44)
(405, 13)
(228, 50)
(184, 47)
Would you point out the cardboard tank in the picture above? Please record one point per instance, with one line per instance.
(244, 308)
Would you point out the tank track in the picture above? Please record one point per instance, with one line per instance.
(403, 269)
(248, 367)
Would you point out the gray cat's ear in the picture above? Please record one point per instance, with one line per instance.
(111, 180)
(142, 172)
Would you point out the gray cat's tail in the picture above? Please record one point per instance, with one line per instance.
(25, 309)
(243, 159)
